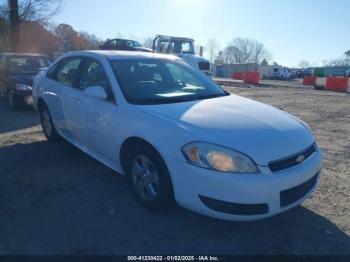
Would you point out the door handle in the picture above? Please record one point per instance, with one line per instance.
(77, 100)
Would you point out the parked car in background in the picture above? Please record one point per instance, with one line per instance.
(303, 72)
(177, 135)
(182, 47)
(17, 71)
(123, 44)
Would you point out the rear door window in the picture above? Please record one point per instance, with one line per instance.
(67, 71)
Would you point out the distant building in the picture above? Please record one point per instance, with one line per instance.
(329, 71)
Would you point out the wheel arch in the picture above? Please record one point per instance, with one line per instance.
(40, 104)
(128, 143)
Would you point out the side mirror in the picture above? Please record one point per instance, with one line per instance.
(96, 91)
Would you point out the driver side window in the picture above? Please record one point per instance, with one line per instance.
(93, 74)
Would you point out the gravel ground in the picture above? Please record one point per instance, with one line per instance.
(54, 199)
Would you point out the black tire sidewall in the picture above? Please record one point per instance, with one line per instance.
(54, 135)
(165, 198)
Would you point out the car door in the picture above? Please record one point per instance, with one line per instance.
(72, 98)
(101, 116)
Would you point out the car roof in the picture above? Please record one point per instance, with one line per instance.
(23, 54)
(175, 38)
(122, 55)
(123, 39)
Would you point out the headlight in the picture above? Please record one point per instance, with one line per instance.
(23, 87)
(218, 158)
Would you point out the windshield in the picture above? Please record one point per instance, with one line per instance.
(176, 47)
(131, 43)
(159, 81)
(27, 64)
(182, 47)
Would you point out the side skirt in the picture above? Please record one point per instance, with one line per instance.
(107, 162)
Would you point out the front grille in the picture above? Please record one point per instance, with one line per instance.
(294, 194)
(234, 208)
(204, 65)
(293, 160)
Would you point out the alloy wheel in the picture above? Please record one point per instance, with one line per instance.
(145, 178)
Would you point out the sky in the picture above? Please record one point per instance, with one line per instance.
(292, 30)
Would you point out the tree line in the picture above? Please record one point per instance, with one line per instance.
(25, 27)
(239, 50)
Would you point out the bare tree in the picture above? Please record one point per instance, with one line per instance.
(245, 50)
(68, 38)
(18, 11)
(212, 47)
(14, 24)
(90, 41)
(337, 62)
(304, 64)
(4, 34)
(148, 42)
(347, 54)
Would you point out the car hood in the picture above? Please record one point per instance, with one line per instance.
(262, 132)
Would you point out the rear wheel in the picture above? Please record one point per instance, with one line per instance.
(47, 124)
(149, 178)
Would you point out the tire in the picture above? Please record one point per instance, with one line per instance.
(11, 101)
(47, 124)
(149, 178)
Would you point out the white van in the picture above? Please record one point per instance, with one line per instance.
(275, 72)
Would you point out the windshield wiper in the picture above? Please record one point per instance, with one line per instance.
(159, 101)
(175, 99)
(212, 96)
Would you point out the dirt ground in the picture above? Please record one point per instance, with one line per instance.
(54, 199)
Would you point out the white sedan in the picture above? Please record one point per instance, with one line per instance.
(177, 135)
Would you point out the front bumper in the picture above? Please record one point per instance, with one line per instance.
(23, 97)
(258, 195)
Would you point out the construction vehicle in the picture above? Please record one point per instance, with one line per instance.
(182, 47)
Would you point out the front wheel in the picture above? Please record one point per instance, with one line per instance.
(47, 124)
(149, 178)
